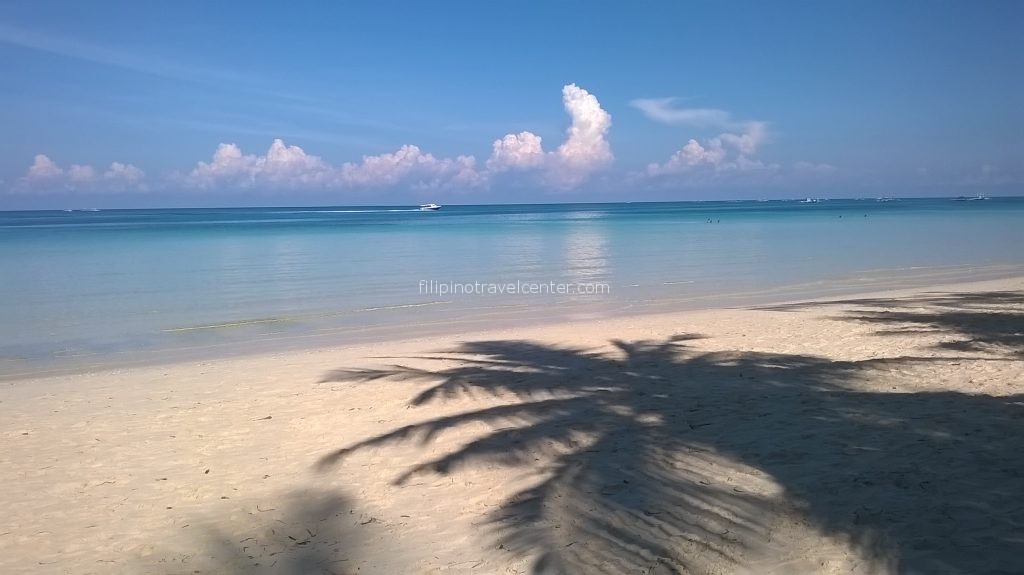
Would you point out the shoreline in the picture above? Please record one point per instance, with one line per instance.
(449, 328)
(722, 440)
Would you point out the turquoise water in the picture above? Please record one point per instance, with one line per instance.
(96, 288)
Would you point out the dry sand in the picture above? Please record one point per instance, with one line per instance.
(872, 435)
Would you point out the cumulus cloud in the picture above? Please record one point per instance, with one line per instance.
(586, 145)
(459, 173)
(516, 151)
(43, 168)
(747, 142)
(45, 174)
(664, 110)
(281, 165)
(389, 169)
(692, 155)
(727, 152)
(291, 165)
(734, 150)
(584, 151)
(125, 173)
(285, 166)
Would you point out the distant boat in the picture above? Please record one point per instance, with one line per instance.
(810, 201)
(430, 207)
(969, 198)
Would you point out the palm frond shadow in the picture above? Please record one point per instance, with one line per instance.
(662, 457)
(990, 321)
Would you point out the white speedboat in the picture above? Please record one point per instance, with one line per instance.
(429, 207)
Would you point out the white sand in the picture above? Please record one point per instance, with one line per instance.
(859, 437)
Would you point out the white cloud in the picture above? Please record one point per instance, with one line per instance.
(747, 143)
(77, 173)
(289, 167)
(228, 165)
(460, 173)
(730, 152)
(714, 154)
(388, 169)
(43, 168)
(44, 174)
(281, 166)
(516, 151)
(692, 155)
(584, 151)
(412, 165)
(586, 146)
(663, 110)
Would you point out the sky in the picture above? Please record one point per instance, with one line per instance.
(154, 104)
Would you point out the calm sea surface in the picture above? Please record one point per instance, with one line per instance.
(87, 288)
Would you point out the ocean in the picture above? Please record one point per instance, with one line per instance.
(82, 289)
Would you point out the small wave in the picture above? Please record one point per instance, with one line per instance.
(401, 306)
(589, 215)
(228, 324)
(347, 211)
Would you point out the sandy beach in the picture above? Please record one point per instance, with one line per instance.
(874, 434)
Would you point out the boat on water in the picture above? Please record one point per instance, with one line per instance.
(429, 207)
(970, 198)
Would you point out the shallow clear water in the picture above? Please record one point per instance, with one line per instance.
(86, 288)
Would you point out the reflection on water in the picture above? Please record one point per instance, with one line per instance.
(586, 254)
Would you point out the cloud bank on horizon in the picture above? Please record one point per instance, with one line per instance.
(584, 152)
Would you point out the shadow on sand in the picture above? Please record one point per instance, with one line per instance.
(305, 532)
(984, 321)
(664, 458)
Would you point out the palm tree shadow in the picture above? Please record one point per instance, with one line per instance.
(308, 531)
(990, 321)
(663, 457)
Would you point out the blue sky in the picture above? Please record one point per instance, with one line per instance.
(151, 104)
